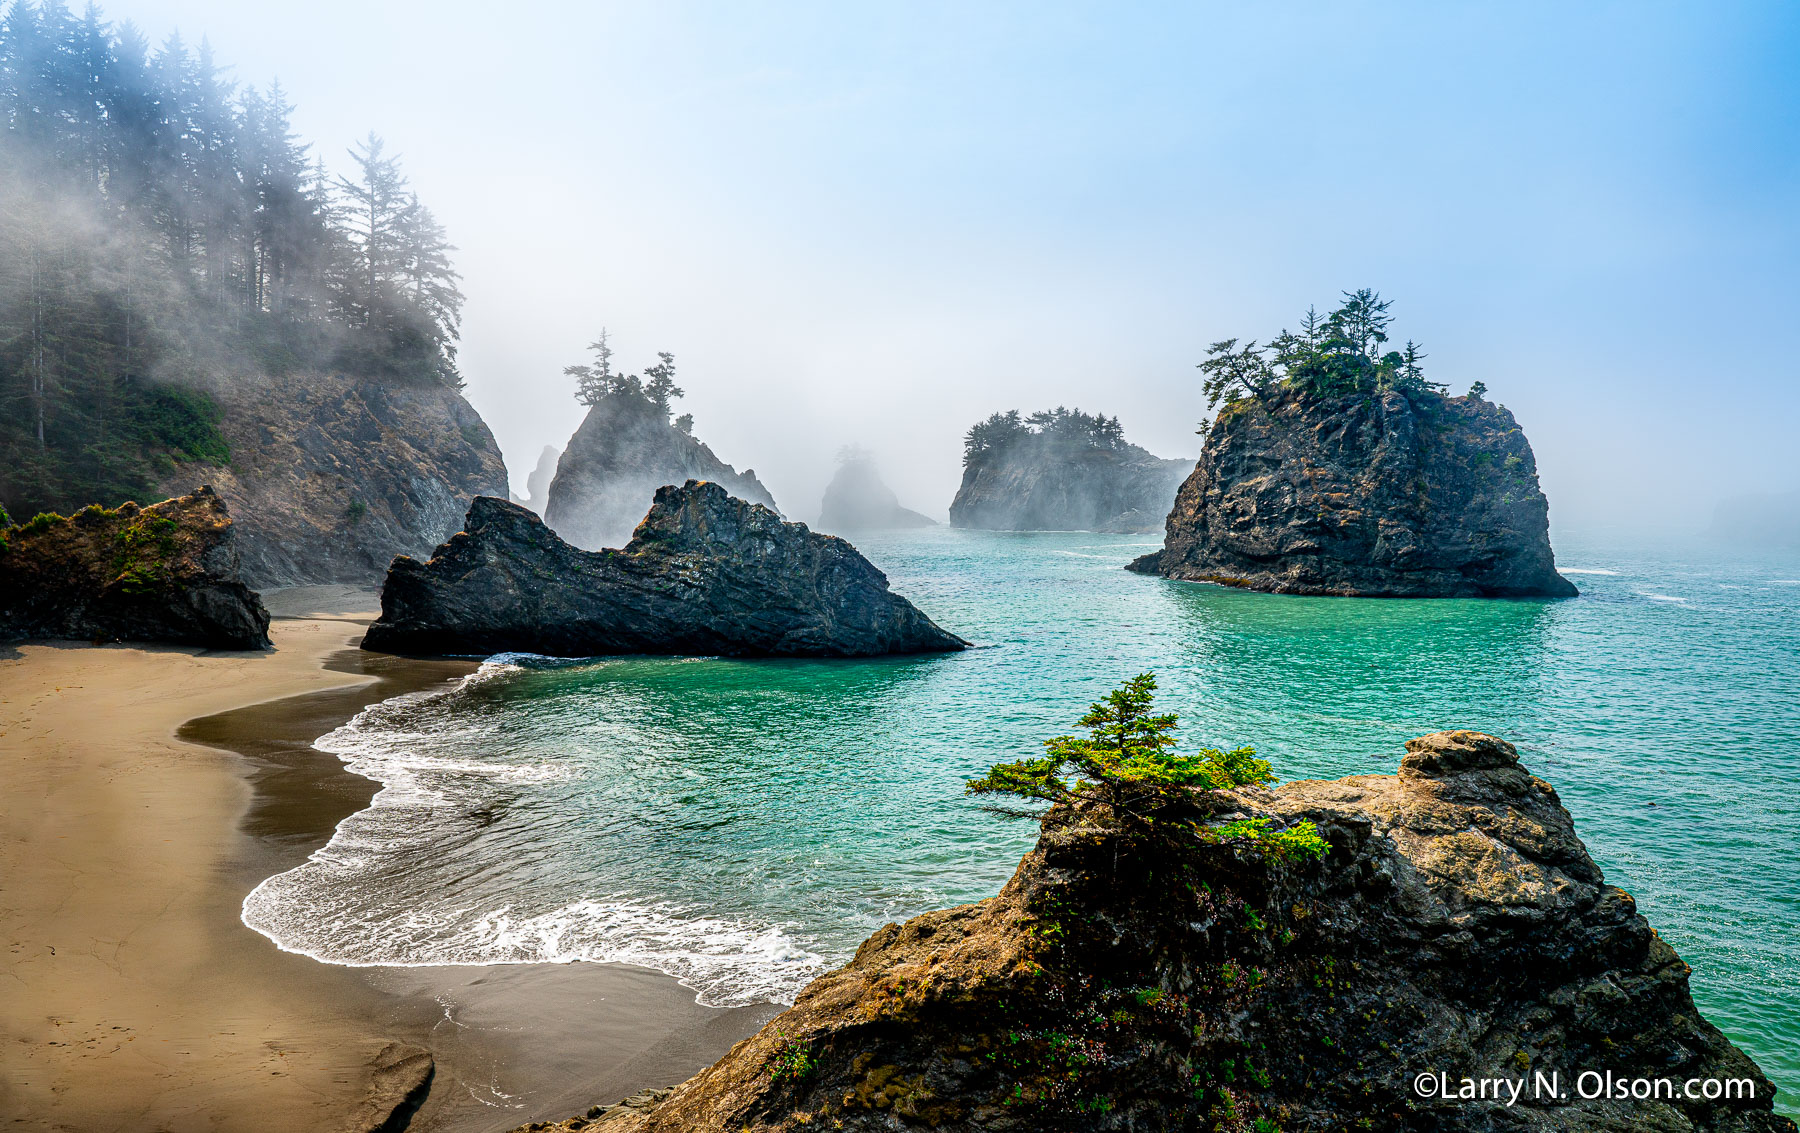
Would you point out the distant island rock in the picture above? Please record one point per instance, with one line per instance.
(705, 574)
(163, 573)
(1335, 468)
(1128, 979)
(1061, 470)
(858, 500)
(626, 448)
(537, 485)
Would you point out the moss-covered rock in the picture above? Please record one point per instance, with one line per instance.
(167, 573)
(1174, 981)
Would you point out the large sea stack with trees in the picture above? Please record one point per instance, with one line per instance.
(1334, 467)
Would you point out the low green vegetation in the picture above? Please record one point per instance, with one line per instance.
(1331, 355)
(1126, 763)
(794, 1060)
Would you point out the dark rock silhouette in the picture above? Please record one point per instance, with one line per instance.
(625, 449)
(1364, 496)
(705, 573)
(858, 500)
(1179, 979)
(163, 573)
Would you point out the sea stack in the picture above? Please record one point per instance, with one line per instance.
(1372, 495)
(1175, 977)
(626, 448)
(704, 574)
(1061, 470)
(163, 573)
(858, 500)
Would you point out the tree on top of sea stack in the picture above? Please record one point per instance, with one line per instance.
(1334, 467)
(1126, 764)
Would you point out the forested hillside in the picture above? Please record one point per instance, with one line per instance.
(164, 236)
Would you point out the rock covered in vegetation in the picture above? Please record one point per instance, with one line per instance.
(858, 500)
(163, 573)
(1364, 495)
(625, 449)
(1174, 979)
(1061, 470)
(705, 573)
(332, 476)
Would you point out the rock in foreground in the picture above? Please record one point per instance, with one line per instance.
(163, 573)
(1457, 926)
(1372, 496)
(705, 573)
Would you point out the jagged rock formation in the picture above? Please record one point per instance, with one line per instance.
(625, 449)
(1385, 495)
(858, 500)
(537, 485)
(1180, 980)
(165, 573)
(1062, 478)
(705, 573)
(332, 476)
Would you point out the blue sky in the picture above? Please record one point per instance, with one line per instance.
(876, 224)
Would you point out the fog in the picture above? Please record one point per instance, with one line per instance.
(877, 226)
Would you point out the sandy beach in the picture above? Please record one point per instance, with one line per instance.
(147, 791)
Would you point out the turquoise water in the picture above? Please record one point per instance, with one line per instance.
(745, 824)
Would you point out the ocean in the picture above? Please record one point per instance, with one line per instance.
(744, 825)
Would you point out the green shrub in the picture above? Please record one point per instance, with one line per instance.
(354, 512)
(794, 1060)
(1125, 763)
(39, 523)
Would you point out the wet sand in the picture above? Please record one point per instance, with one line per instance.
(135, 997)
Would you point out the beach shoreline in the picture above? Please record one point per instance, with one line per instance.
(149, 789)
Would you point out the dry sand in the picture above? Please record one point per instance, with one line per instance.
(135, 999)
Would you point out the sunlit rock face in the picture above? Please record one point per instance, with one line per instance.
(623, 452)
(1174, 979)
(163, 573)
(1364, 496)
(332, 476)
(704, 574)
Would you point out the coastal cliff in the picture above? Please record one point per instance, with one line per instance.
(705, 573)
(625, 449)
(1061, 470)
(1456, 930)
(1392, 494)
(858, 500)
(332, 476)
(166, 573)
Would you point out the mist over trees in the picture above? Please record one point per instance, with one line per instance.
(654, 393)
(1331, 355)
(1058, 428)
(162, 229)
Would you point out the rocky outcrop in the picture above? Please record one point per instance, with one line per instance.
(333, 476)
(625, 449)
(858, 500)
(537, 485)
(1036, 484)
(163, 573)
(705, 573)
(1456, 931)
(1368, 496)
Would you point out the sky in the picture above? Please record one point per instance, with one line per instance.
(877, 224)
